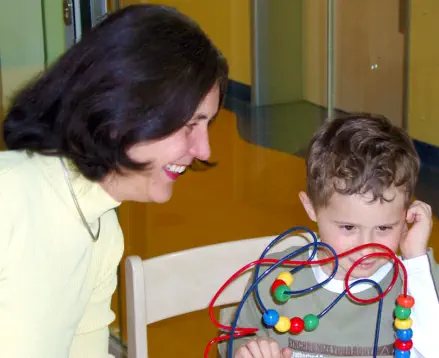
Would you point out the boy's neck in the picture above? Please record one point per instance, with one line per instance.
(329, 268)
(322, 272)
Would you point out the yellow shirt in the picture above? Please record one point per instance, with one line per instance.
(55, 282)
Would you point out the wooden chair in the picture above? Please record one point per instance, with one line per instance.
(195, 275)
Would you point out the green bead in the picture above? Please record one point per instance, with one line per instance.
(280, 295)
(311, 322)
(402, 312)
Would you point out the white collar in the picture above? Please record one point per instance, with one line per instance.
(337, 286)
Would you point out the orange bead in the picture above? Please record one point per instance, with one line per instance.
(405, 301)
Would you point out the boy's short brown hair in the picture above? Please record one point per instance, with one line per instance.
(359, 154)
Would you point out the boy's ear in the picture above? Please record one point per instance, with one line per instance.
(307, 205)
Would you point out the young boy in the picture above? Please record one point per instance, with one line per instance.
(361, 174)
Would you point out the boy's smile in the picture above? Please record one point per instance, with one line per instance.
(349, 221)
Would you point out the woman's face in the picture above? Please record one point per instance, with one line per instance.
(169, 156)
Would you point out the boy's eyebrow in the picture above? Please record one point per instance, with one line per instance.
(347, 223)
(391, 224)
(353, 224)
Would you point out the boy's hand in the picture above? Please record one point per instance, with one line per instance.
(414, 242)
(262, 348)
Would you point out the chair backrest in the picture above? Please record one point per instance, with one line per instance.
(186, 281)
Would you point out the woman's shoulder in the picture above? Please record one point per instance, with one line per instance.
(12, 160)
(21, 162)
(17, 172)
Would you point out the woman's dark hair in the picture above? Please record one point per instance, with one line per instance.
(139, 75)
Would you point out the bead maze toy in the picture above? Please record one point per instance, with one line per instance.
(282, 292)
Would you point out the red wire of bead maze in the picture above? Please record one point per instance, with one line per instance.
(239, 332)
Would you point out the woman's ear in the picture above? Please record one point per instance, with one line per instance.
(307, 205)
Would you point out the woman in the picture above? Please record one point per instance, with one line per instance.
(119, 117)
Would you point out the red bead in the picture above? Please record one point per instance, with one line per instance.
(297, 325)
(405, 301)
(276, 284)
(403, 346)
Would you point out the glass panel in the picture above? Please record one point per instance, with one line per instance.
(289, 74)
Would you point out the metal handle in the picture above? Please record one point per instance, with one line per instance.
(67, 12)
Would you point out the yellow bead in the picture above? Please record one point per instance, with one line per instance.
(403, 323)
(286, 277)
(283, 325)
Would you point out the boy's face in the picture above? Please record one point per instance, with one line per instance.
(349, 221)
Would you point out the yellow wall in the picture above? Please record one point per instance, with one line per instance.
(423, 121)
(227, 22)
